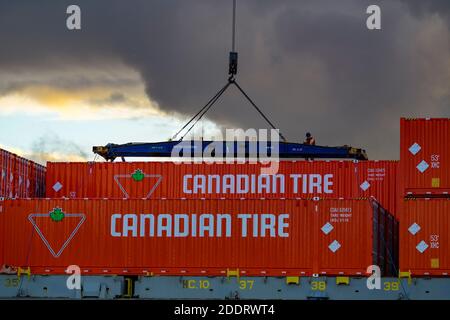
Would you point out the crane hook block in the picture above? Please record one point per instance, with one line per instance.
(233, 63)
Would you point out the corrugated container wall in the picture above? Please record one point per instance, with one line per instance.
(294, 179)
(20, 178)
(425, 156)
(425, 237)
(197, 237)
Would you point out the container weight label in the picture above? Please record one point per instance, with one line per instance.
(435, 162)
(434, 241)
(340, 214)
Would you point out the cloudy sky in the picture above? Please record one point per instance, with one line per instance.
(137, 69)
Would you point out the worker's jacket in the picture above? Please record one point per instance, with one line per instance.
(310, 141)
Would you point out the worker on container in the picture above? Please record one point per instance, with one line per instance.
(311, 141)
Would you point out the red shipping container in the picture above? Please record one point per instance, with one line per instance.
(7, 168)
(36, 184)
(425, 156)
(425, 237)
(20, 178)
(294, 179)
(195, 237)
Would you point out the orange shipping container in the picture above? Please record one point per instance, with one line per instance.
(20, 178)
(425, 237)
(196, 237)
(425, 156)
(294, 179)
(7, 168)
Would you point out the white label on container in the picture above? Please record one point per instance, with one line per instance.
(415, 148)
(422, 246)
(57, 186)
(435, 163)
(414, 228)
(434, 241)
(422, 166)
(376, 174)
(365, 185)
(334, 246)
(327, 228)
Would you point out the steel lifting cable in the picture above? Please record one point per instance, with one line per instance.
(200, 111)
(213, 100)
(257, 109)
(219, 93)
(233, 30)
(231, 80)
(211, 103)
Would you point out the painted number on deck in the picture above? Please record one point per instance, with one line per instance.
(318, 285)
(246, 284)
(196, 284)
(392, 286)
(11, 283)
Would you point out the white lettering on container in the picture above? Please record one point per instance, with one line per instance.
(257, 184)
(209, 225)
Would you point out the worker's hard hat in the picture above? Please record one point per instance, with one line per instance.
(308, 134)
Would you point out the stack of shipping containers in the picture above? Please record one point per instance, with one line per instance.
(424, 205)
(195, 237)
(20, 178)
(308, 217)
(290, 180)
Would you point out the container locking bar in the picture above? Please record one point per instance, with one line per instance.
(293, 280)
(21, 271)
(343, 281)
(233, 273)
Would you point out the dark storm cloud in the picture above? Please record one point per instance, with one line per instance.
(420, 7)
(67, 82)
(311, 65)
(116, 99)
